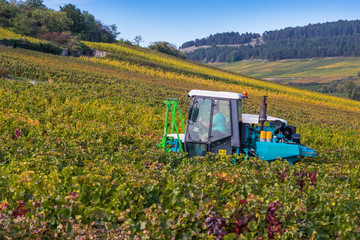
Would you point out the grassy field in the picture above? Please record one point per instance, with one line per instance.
(298, 70)
(321, 75)
(78, 156)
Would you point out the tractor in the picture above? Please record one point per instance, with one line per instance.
(215, 123)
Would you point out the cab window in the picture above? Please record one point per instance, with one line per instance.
(221, 120)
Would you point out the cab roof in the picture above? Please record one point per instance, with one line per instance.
(215, 94)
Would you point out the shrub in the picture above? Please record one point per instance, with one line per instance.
(26, 44)
(59, 38)
(167, 48)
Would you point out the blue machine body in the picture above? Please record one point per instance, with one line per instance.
(280, 146)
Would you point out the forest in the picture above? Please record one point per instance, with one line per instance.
(222, 39)
(331, 39)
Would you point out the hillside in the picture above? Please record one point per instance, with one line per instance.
(31, 25)
(231, 39)
(33, 19)
(330, 39)
(328, 75)
(78, 155)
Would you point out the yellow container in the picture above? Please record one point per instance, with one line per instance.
(262, 136)
(268, 136)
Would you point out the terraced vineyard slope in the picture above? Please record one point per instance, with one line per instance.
(78, 154)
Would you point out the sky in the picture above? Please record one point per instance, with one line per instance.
(177, 21)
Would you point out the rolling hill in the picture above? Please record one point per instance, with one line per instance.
(327, 75)
(320, 40)
(78, 154)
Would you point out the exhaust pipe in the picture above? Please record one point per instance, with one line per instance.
(262, 115)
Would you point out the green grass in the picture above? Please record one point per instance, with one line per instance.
(328, 68)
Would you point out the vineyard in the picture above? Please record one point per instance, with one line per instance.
(78, 155)
(8, 34)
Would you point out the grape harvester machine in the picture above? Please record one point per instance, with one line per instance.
(216, 124)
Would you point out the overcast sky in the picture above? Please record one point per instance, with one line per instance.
(180, 21)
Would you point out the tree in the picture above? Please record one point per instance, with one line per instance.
(138, 39)
(7, 13)
(88, 27)
(75, 15)
(51, 21)
(167, 48)
(124, 41)
(23, 24)
(352, 91)
(114, 30)
(35, 3)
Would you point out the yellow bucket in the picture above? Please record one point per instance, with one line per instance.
(262, 136)
(268, 136)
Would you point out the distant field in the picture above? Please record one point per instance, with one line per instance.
(298, 70)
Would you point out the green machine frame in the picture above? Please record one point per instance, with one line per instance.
(174, 144)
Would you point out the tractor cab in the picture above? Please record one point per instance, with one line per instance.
(213, 123)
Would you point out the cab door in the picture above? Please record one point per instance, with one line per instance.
(221, 127)
(197, 127)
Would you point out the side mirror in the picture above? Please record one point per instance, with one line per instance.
(195, 114)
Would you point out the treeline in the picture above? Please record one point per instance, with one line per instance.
(282, 49)
(222, 39)
(319, 30)
(333, 39)
(33, 18)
